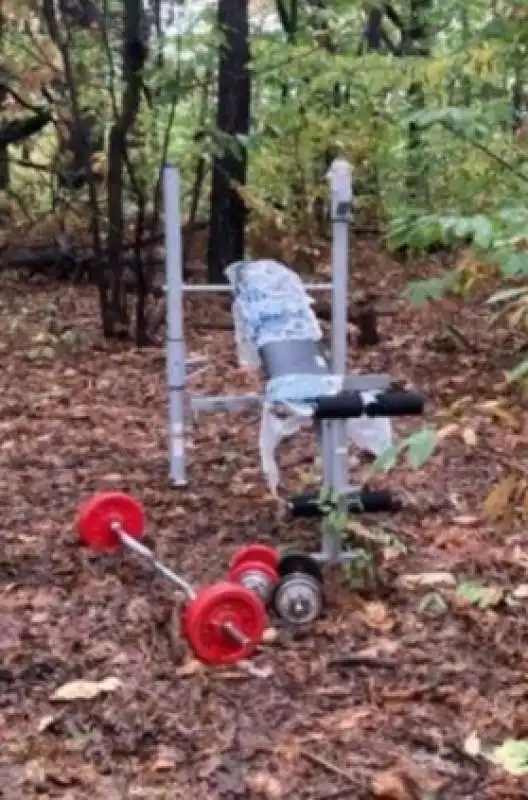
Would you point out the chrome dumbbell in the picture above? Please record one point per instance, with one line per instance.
(298, 597)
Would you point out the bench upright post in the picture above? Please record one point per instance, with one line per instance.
(334, 432)
(175, 338)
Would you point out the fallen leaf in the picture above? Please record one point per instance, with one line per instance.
(470, 437)
(467, 520)
(460, 403)
(100, 650)
(265, 785)
(520, 557)
(167, 758)
(472, 745)
(254, 671)
(46, 722)
(113, 477)
(390, 786)
(447, 430)
(376, 615)
(494, 409)
(190, 668)
(411, 581)
(209, 767)
(35, 773)
(498, 499)
(347, 720)
(85, 690)
(520, 592)
(382, 647)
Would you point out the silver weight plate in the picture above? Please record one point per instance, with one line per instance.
(298, 599)
(257, 582)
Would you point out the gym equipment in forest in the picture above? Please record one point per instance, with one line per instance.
(223, 623)
(277, 331)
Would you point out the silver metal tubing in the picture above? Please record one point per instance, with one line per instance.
(140, 550)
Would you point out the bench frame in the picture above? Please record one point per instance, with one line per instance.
(332, 434)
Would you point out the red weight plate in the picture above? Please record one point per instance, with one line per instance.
(237, 572)
(256, 552)
(215, 606)
(96, 514)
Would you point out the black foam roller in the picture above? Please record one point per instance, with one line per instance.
(395, 404)
(339, 406)
(346, 405)
(309, 505)
(371, 502)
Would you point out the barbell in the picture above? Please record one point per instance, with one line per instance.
(223, 623)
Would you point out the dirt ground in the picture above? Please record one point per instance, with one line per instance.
(376, 700)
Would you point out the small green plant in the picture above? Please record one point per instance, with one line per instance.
(336, 518)
(418, 448)
(476, 594)
(359, 571)
(512, 755)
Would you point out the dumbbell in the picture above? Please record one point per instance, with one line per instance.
(255, 567)
(223, 623)
(298, 597)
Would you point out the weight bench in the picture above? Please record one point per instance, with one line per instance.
(277, 332)
(269, 310)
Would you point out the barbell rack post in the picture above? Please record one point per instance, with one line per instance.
(176, 370)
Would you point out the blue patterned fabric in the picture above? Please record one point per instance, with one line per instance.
(294, 390)
(271, 303)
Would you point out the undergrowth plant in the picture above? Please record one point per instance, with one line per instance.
(360, 570)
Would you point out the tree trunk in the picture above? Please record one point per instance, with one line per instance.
(228, 210)
(4, 154)
(134, 54)
(4, 168)
(417, 42)
(62, 43)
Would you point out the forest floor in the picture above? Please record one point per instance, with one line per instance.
(430, 669)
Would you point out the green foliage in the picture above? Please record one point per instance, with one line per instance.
(418, 448)
(496, 239)
(167, 128)
(297, 119)
(479, 595)
(512, 755)
(315, 93)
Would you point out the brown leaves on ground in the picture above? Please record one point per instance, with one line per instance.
(375, 701)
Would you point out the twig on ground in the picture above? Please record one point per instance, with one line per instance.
(413, 693)
(363, 661)
(329, 766)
